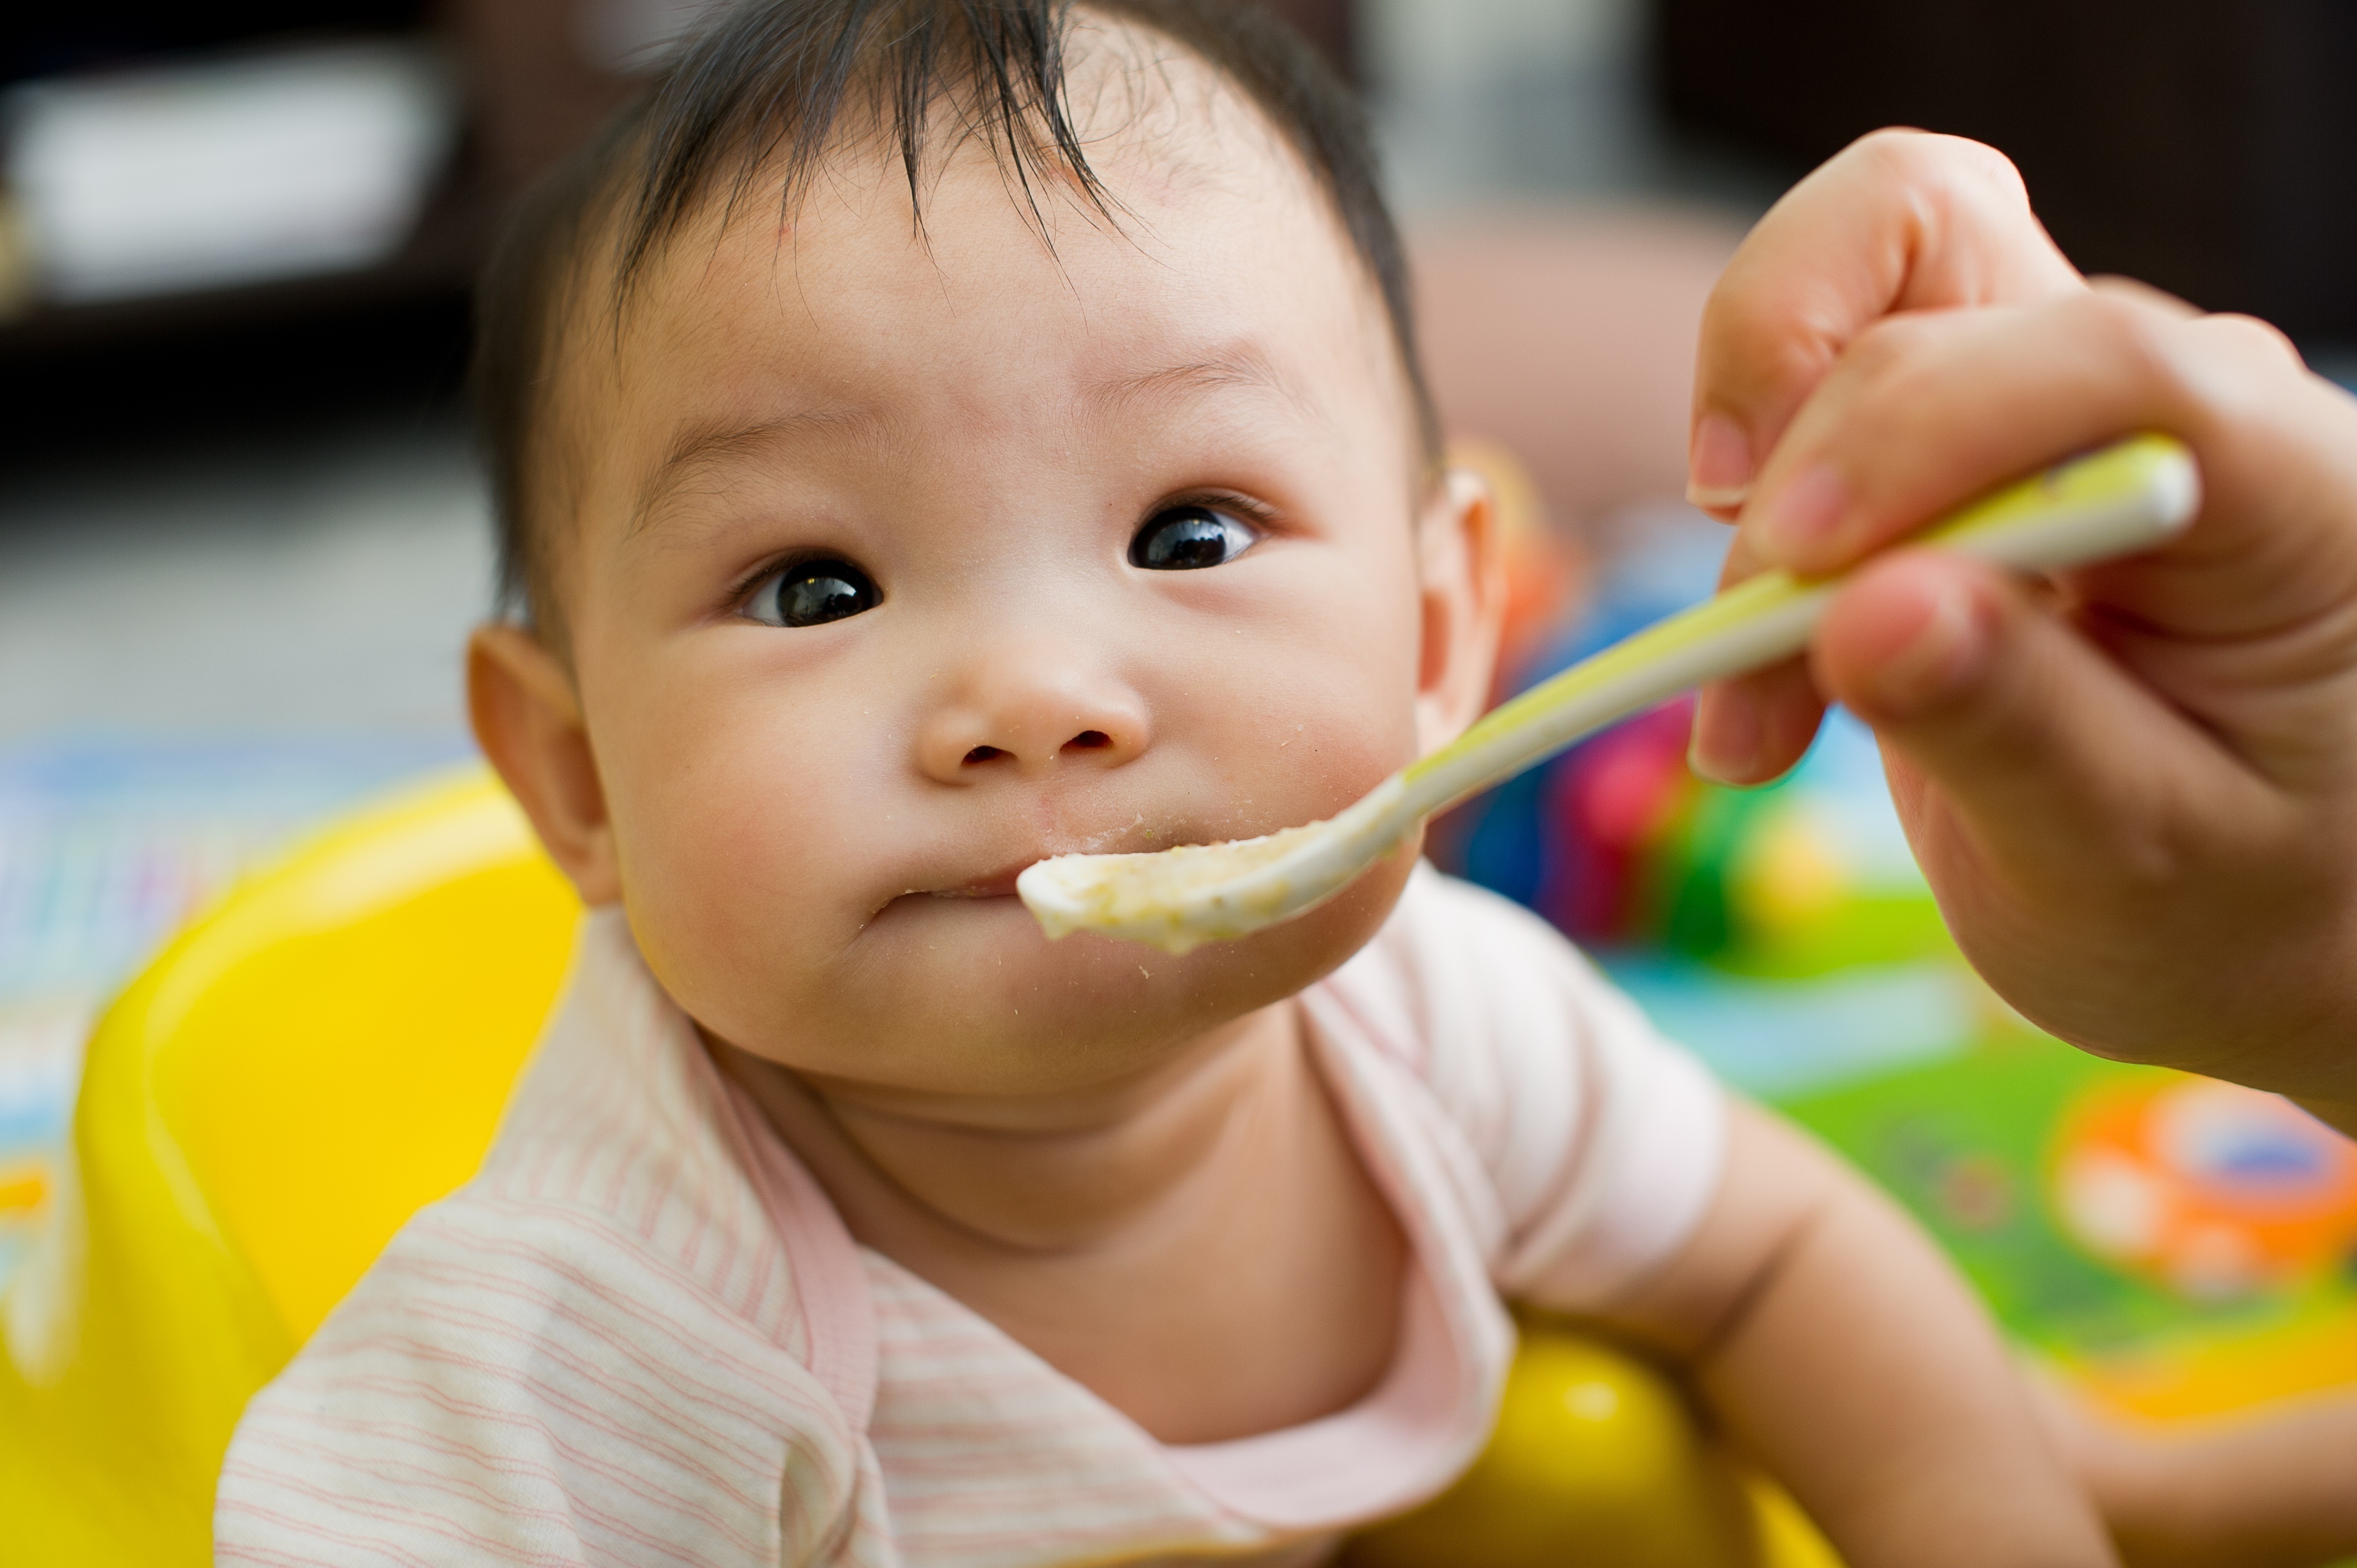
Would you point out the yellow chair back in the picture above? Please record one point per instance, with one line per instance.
(294, 1076)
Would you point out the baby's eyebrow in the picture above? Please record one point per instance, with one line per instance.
(707, 445)
(1242, 365)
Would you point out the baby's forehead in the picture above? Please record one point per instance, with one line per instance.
(1194, 212)
(1162, 118)
(1165, 138)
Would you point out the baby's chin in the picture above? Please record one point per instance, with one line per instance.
(952, 995)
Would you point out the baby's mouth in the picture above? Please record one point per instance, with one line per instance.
(1000, 883)
(997, 885)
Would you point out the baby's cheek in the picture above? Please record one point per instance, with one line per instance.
(1330, 736)
(1333, 695)
(726, 876)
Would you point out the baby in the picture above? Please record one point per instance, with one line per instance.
(932, 437)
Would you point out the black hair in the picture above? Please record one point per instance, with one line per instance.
(764, 85)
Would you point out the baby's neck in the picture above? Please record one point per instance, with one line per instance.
(1037, 1174)
(1211, 1214)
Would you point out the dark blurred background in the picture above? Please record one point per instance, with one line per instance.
(2209, 146)
(236, 238)
(438, 113)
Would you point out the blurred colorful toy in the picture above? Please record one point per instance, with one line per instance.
(2215, 1190)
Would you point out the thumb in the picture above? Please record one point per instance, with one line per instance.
(2024, 751)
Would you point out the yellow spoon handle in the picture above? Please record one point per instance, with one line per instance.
(2121, 499)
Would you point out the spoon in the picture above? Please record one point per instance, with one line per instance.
(2116, 501)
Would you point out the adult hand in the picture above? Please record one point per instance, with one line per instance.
(2134, 790)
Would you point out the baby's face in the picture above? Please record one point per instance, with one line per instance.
(900, 563)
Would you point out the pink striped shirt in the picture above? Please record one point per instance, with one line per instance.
(642, 1336)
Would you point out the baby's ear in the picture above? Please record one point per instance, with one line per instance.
(527, 718)
(1461, 572)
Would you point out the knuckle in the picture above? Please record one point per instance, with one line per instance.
(1892, 349)
(2130, 329)
(1897, 146)
(2199, 373)
(1989, 170)
(2231, 372)
(2137, 289)
(1931, 158)
(1890, 378)
(2249, 336)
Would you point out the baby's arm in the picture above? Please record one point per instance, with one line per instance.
(2270, 1488)
(1839, 1346)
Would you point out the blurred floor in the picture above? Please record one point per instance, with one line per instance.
(313, 581)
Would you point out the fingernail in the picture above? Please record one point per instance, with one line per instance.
(1724, 747)
(1718, 465)
(1943, 657)
(1798, 518)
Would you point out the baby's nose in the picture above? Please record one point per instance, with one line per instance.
(1028, 711)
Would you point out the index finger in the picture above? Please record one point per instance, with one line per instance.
(1898, 221)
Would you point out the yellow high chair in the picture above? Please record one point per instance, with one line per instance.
(329, 1049)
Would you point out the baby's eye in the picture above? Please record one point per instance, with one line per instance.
(812, 593)
(1188, 538)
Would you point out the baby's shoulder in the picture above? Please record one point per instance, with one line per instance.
(623, 1143)
(1582, 1144)
(626, 1327)
(526, 1273)
(626, 1143)
(1459, 978)
(1508, 1033)
(526, 1374)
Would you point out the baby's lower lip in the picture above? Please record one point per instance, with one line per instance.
(1000, 884)
(1000, 887)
